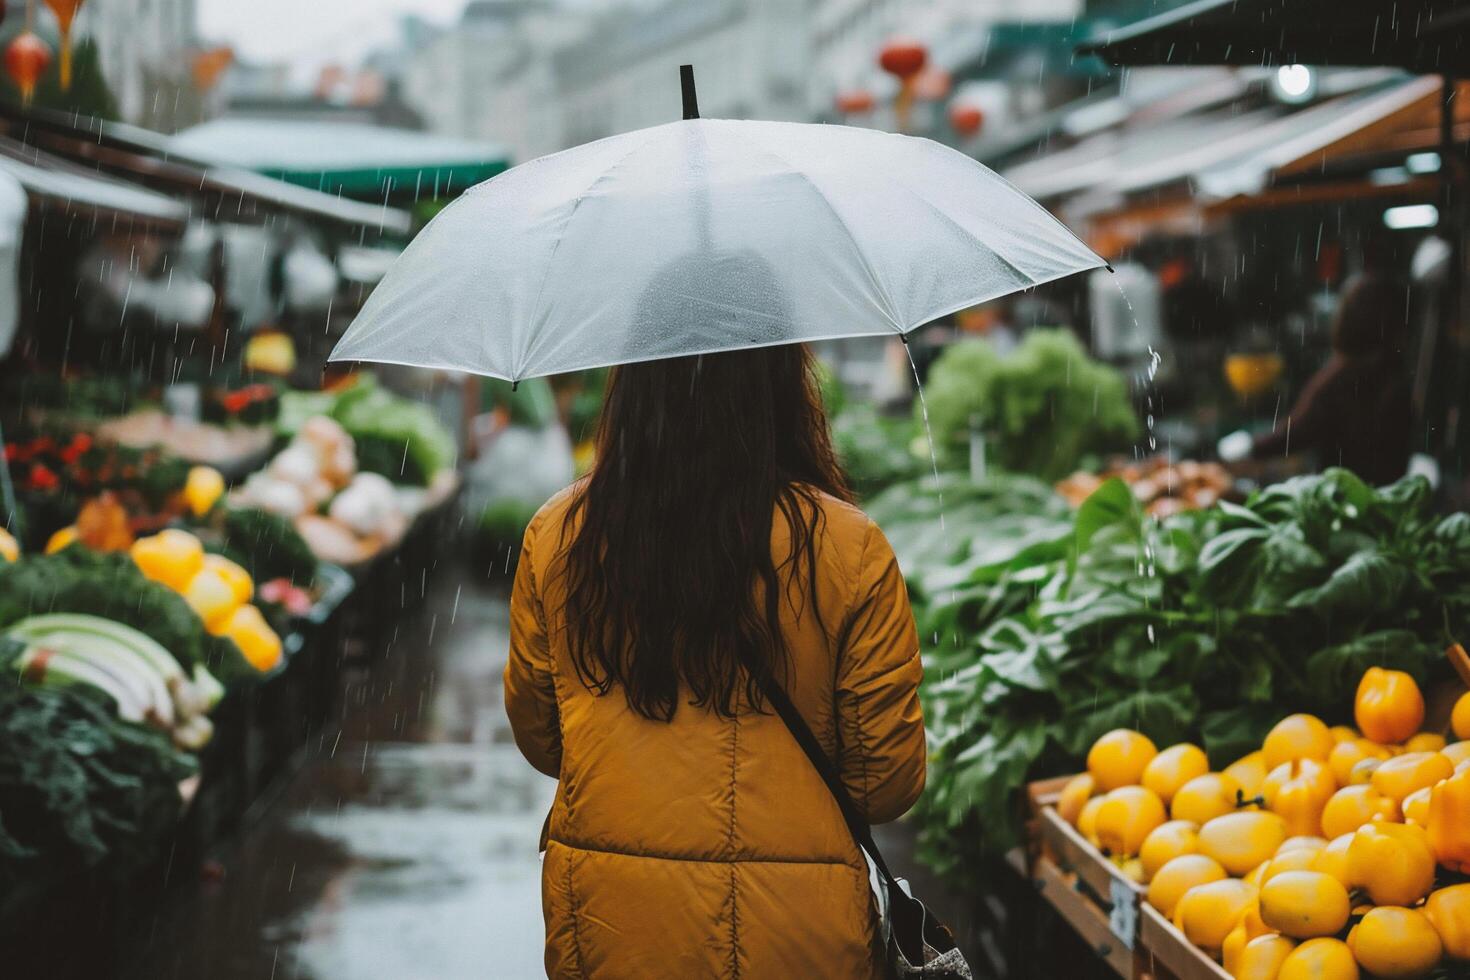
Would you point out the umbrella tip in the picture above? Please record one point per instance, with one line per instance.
(686, 83)
(1110, 268)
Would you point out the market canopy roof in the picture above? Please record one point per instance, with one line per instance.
(347, 158)
(52, 182)
(1427, 37)
(146, 157)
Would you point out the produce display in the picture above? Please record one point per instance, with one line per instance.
(345, 516)
(1162, 488)
(1200, 627)
(1043, 408)
(1323, 852)
(80, 786)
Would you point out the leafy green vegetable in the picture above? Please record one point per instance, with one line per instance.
(1044, 407)
(874, 450)
(77, 785)
(1210, 626)
(267, 546)
(109, 585)
(400, 439)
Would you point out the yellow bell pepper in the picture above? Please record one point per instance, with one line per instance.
(1389, 707)
(202, 489)
(9, 549)
(171, 557)
(1392, 862)
(1449, 822)
(62, 539)
(1449, 912)
(250, 632)
(209, 595)
(1403, 774)
(1298, 792)
(1353, 806)
(1395, 942)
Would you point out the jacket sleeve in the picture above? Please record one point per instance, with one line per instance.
(880, 723)
(530, 690)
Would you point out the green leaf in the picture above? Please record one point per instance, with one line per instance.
(1110, 505)
(1367, 582)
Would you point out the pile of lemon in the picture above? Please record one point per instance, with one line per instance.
(1313, 857)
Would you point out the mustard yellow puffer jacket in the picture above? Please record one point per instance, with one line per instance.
(709, 847)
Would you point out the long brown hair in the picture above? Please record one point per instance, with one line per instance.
(670, 575)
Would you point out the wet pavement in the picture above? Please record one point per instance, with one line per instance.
(404, 848)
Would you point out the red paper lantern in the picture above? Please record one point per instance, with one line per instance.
(26, 60)
(965, 120)
(903, 57)
(931, 85)
(66, 13)
(855, 102)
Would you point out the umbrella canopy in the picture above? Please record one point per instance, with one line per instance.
(1428, 36)
(701, 236)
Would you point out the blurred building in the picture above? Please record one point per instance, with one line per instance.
(491, 75)
(145, 47)
(750, 58)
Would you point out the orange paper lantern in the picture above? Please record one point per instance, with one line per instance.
(66, 14)
(903, 57)
(210, 65)
(965, 120)
(855, 102)
(26, 60)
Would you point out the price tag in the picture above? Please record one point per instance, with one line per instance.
(1123, 919)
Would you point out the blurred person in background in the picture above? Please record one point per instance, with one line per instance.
(1355, 411)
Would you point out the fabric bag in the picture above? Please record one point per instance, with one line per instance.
(916, 943)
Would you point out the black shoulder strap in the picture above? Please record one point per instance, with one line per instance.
(856, 825)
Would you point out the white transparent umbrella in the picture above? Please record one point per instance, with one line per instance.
(706, 235)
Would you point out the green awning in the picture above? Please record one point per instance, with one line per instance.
(353, 159)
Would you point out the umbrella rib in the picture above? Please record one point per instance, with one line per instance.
(888, 307)
(565, 225)
(1030, 279)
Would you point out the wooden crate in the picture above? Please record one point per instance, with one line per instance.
(1169, 953)
(1102, 904)
(1087, 890)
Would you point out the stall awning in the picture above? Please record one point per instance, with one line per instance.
(56, 184)
(347, 158)
(1427, 37)
(1224, 153)
(221, 192)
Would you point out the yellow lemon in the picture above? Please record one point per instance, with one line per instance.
(1393, 943)
(1319, 959)
(1205, 797)
(1403, 774)
(1242, 840)
(1178, 876)
(1262, 957)
(1174, 767)
(1118, 758)
(1304, 904)
(1449, 912)
(1333, 859)
(1167, 842)
(1297, 737)
(1298, 859)
(1074, 796)
(1305, 842)
(1233, 947)
(1128, 815)
(1460, 717)
(1345, 755)
(1207, 913)
(1087, 820)
(1456, 752)
(1353, 806)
